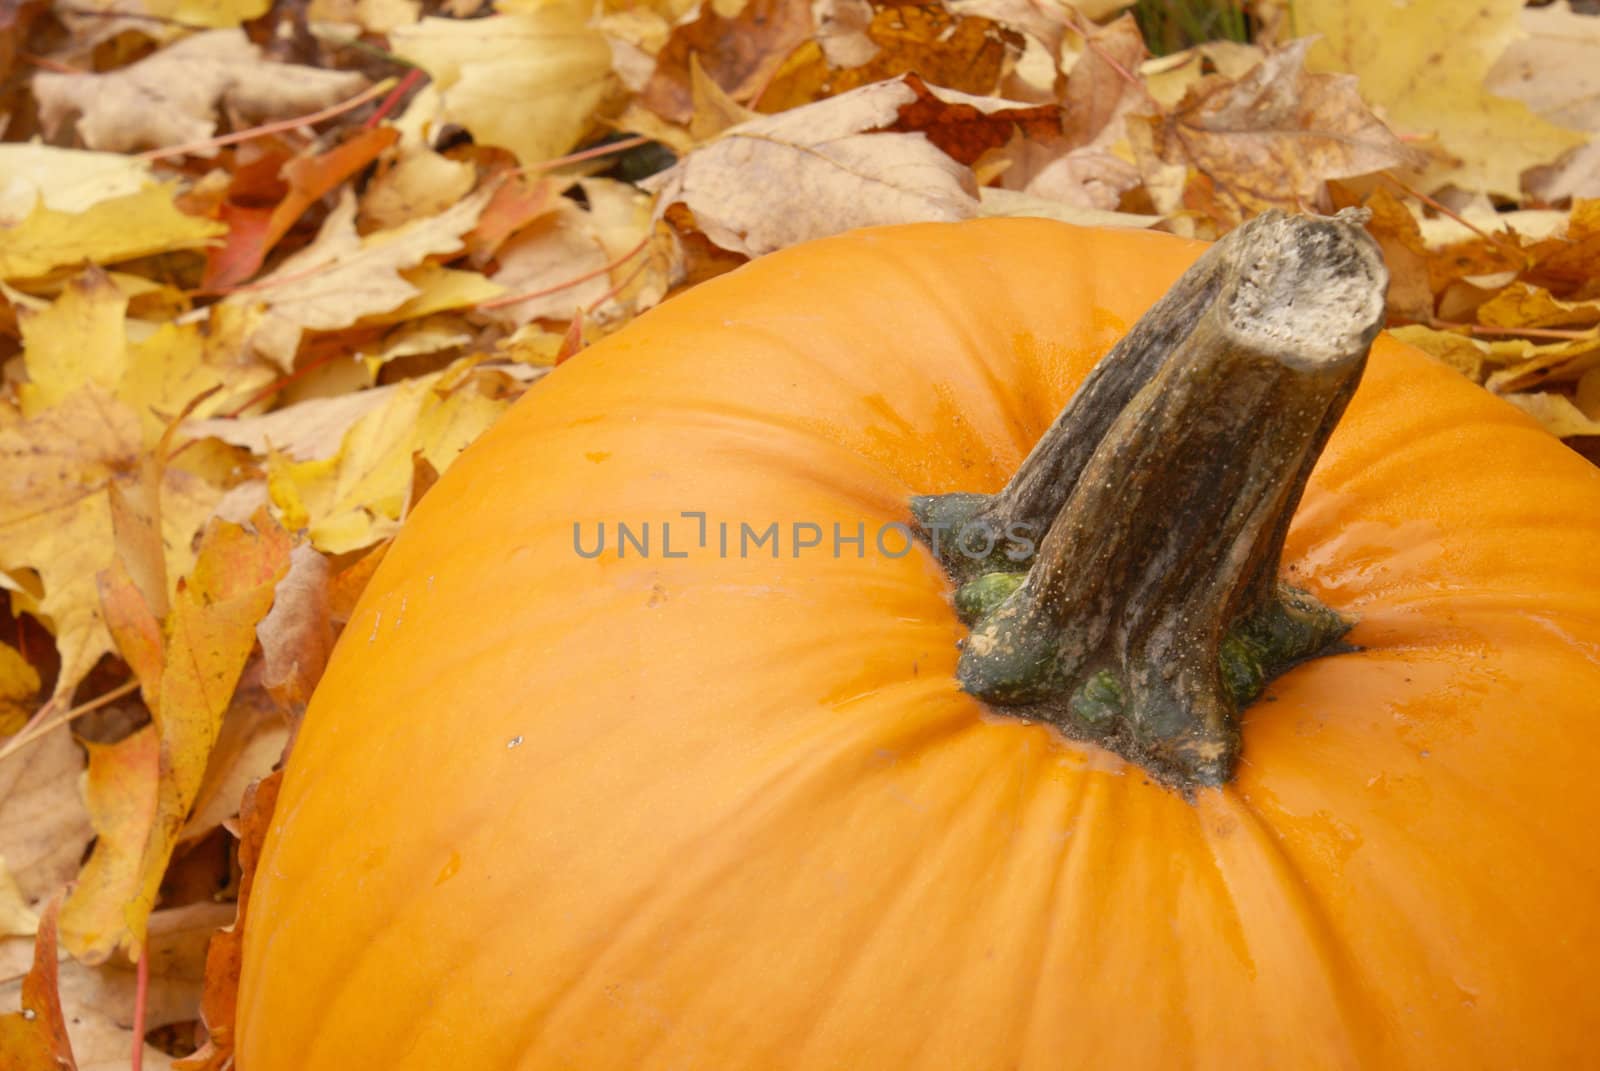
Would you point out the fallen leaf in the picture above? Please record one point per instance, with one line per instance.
(738, 53)
(304, 431)
(171, 98)
(357, 497)
(253, 231)
(1273, 138)
(557, 261)
(417, 184)
(342, 276)
(110, 231)
(46, 827)
(60, 463)
(35, 1038)
(372, 16)
(296, 637)
(944, 47)
(839, 169)
(121, 791)
(1410, 295)
(1559, 415)
(76, 341)
(1425, 66)
(1458, 351)
(64, 180)
(254, 737)
(528, 82)
(19, 684)
(224, 957)
(16, 918)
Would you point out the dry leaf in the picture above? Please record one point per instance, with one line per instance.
(1558, 414)
(254, 737)
(342, 277)
(1272, 139)
(418, 184)
(60, 463)
(16, 918)
(835, 170)
(357, 497)
(528, 81)
(121, 792)
(560, 259)
(77, 340)
(296, 636)
(1425, 65)
(738, 53)
(171, 98)
(112, 230)
(65, 180)
(224, 957)
(35, 1038)
(305, 431)
(46, 827)
(19, 684)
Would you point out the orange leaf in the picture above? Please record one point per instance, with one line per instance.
(219, 1003)
(35, 1038)
(252, 232)
(121, 791)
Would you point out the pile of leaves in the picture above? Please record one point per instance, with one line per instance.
(266, 270)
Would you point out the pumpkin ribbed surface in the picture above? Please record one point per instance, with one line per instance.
(727, 811)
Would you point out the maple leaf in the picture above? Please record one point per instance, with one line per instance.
(171, 98)
(1424, 65)
(60, 464)
(111, 230)
(342, 277)
(1555, 70)
(528, 81)
(738, 53)
(1273, 138)
(19, 682)
(840, 173)
(151, 780)
(357, 497)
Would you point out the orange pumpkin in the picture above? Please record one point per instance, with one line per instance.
(724, 811)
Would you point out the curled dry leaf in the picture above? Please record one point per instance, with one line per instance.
(1424, 65)
(296, 636)
(172, 97)
(19, 683)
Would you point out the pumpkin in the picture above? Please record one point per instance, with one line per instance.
(718, 807)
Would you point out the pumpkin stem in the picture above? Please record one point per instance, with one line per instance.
(1152, 611)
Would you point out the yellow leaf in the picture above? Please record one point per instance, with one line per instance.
(208, 638)
(120, 790)
(19, 683)
(1459, 352)
(113, 230)
(215, 13)
(168, 369)
(357, 497)
(79, 339)
(1522, 305)
(54, 471)
(1559, 415)
(1425, 65)
(440, 289)
(529, 82)
(67, 180)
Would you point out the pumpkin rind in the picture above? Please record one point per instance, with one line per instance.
(734, 812)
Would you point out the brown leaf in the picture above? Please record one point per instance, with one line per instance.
(46, 826)
(739, 53)
(223, 959)
(946, 48)
(254, 737)
(172, 97)
(35, 1038)
(1395, 228)
(1273, 138)
(296, 636)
